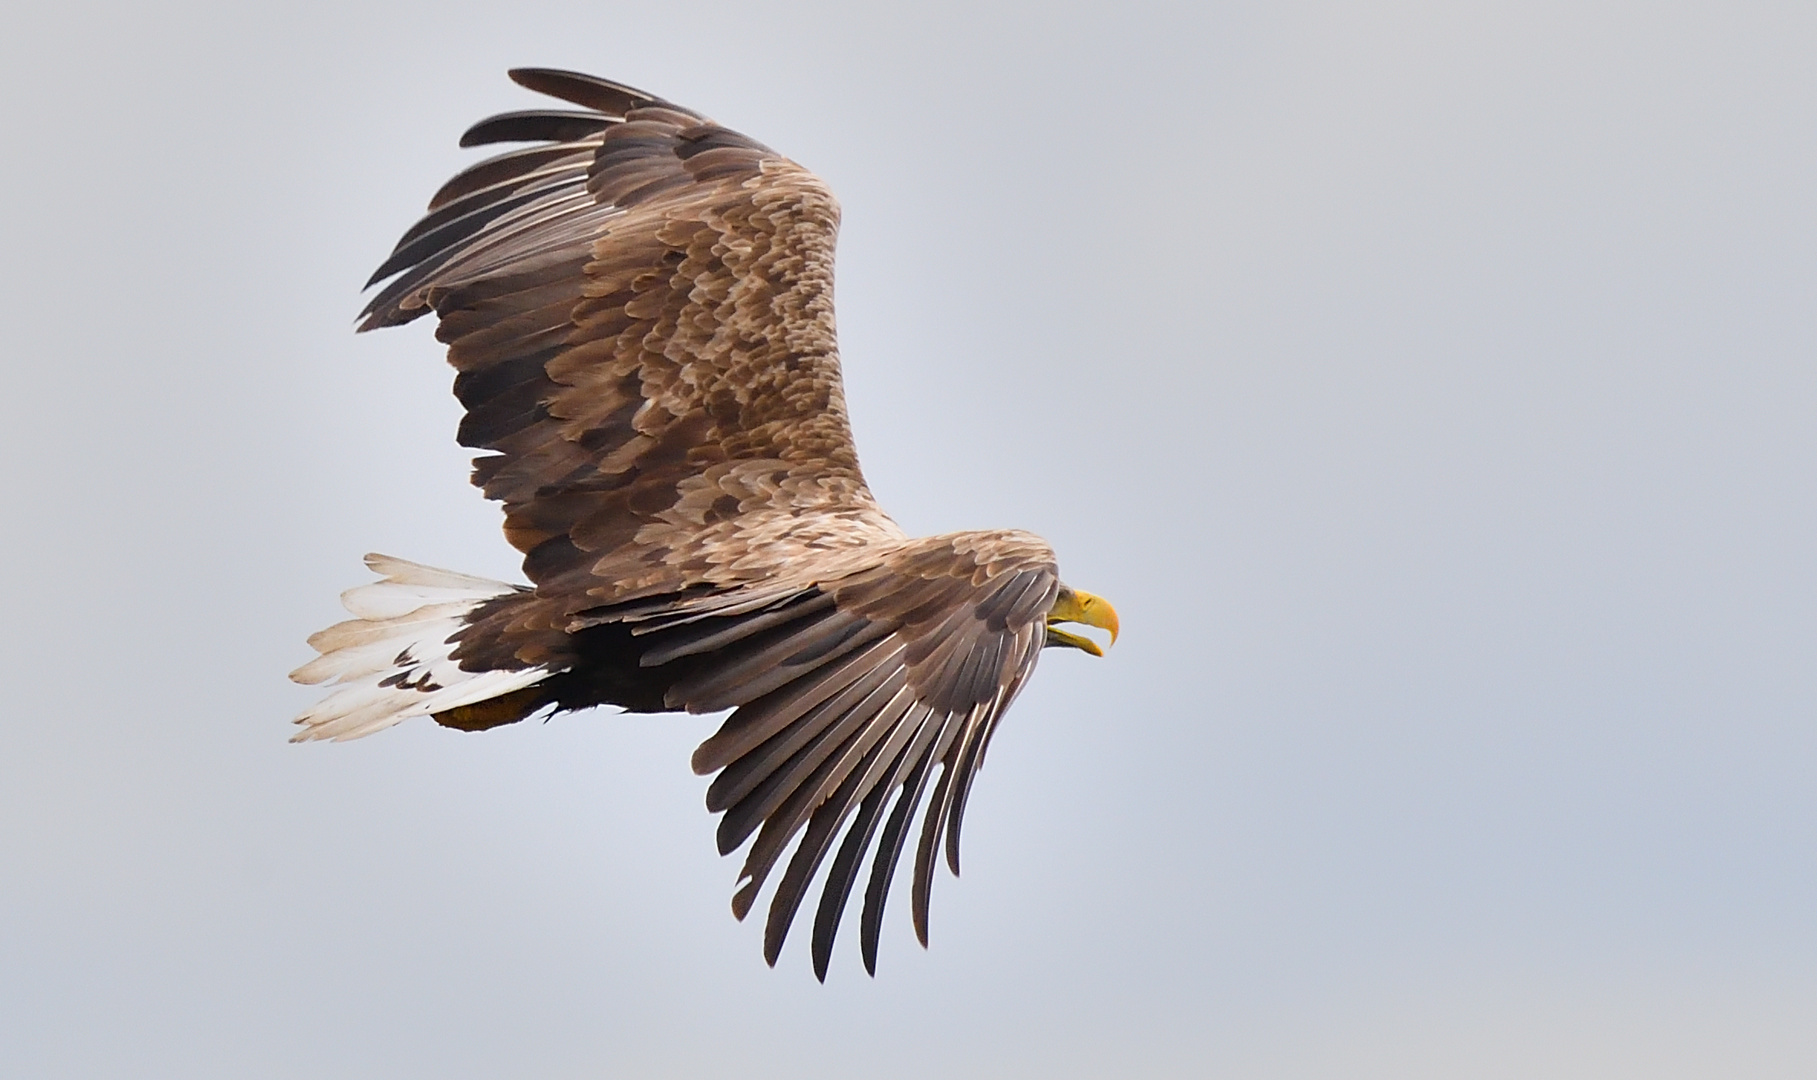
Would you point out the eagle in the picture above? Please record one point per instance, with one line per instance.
(638, 305)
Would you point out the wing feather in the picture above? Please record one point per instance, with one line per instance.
(889, 847)
(832, 758)
(836, 734)
(932, 824)
(763, 766)
(535, 125)
(477, 180)
(588, 91)
(843, 874)
(900, 723)
(458, 221)
(820, 734)
(1010, 689)
(765, 723)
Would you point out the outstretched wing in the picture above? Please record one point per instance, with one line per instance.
(640, 312)
(848, 698)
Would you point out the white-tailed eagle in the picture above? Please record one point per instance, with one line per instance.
(639, 309)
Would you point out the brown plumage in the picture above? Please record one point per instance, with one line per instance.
(640, 315)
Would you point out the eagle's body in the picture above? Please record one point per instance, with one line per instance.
(640, 314)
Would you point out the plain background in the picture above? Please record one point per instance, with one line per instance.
(1430, 386)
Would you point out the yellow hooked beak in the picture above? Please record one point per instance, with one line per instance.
(1075, 606)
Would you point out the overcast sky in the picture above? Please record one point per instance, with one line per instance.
(1430, 386)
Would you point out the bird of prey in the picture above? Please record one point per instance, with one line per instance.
(638, 306)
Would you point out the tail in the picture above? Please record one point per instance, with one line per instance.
(394, 659)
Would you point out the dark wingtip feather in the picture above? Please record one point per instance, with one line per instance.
(889, 851)
(844, 872)
(387, 308)
(510, 165)
(775, 932)
(741, 901)
(932, 825)
(730, 834)
(536, 125)
(970, 764)
(588, 91)
(377, 316)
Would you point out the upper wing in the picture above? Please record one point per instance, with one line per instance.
(641, 316)
(849, 697)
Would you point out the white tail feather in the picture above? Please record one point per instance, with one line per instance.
(393, 660)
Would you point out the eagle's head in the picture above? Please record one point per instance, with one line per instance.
(1077, 606)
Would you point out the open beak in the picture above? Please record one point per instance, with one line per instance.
(1074, 606)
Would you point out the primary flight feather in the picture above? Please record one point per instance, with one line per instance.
(639, 310)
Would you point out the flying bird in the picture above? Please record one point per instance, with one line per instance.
(638, 306)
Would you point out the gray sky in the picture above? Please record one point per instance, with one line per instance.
(1429, 385)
